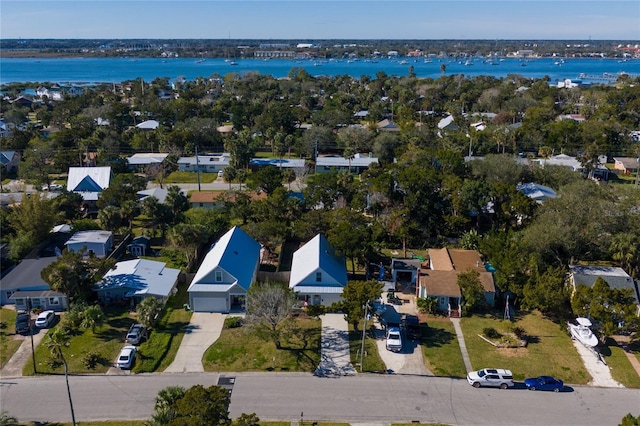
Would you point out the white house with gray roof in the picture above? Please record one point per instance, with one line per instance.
(204, 163)
(615, 276)
(318, 275)
(358, 164)
(96, 242)
(224, 277)
(137, 279)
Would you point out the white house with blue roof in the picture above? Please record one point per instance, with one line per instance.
(135, 280)
(224, 277)
(318, 275)
(88, 181)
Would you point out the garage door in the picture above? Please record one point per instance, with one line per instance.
(209, 304)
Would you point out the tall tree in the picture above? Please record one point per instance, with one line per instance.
(471, 289)
(355, 296)
(178, 203)
(56, 340)
(148, 310)
(268, 306)
(93, 317)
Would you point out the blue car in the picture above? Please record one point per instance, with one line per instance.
(545, 383)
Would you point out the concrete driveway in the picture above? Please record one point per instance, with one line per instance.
(410, 359)
(203, 330)
(335, 359)
(13, 367)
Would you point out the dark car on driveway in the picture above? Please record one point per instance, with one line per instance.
(545, 383)
(23, 322)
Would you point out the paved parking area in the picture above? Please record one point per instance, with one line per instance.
(203, 330)
(410, 359)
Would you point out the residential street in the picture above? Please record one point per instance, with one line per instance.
(367, 398)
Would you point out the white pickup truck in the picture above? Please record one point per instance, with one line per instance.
(137, 333)
(394, 339)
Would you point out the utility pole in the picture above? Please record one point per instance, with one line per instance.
(364, 330)
(198, 167)
(33, 350)
(637, 172)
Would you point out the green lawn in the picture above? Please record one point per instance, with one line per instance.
(621, 369)
(549, 352)
(107, 342)
(372, 361)
(240, 349)
(441, 350)
(159, 351)
(189, 177)
(8, 344)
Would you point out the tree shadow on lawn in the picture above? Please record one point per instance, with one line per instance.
(436, 337)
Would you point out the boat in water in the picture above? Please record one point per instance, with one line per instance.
(582, 332)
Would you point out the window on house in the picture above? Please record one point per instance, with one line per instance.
(441, 300)
(218, 276)
(54, 301)
(201, 204)
(8, 294)
(318, 277)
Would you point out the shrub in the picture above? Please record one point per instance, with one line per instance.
(53, 363)
(3, 325)
(519, 332)
(91, 359)
(491, 333)
(316, 310)
(428, 305)
(233, 322)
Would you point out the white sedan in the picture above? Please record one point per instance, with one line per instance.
(45, 319)
(126, 357)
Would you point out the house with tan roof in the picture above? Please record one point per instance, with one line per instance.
(440, 279)
(212, 200)
(628, 165)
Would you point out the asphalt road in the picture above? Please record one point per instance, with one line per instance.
(380, 399)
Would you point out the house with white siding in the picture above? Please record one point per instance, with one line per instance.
(224, 277)
(318, 274)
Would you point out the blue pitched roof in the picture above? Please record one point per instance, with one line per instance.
(236, 253)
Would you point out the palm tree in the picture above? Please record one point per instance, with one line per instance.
(56, 340)
(164, 407)
(93, 317)
(625, 250)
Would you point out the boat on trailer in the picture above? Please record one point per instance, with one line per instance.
(582, 332)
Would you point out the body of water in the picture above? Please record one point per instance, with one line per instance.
(115, 70)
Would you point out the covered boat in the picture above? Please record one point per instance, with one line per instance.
(583, 333)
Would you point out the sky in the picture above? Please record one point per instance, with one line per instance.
(308, 20)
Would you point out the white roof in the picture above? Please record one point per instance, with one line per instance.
(276, 162)
(148, 125)
(236, 253)
(536, 191)
(159, 193)
(142, 277)
(61, 228)
(89, 237)
(147, 158)
(88, 179)
(357, 161)
(222, 160)
(445, 122)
